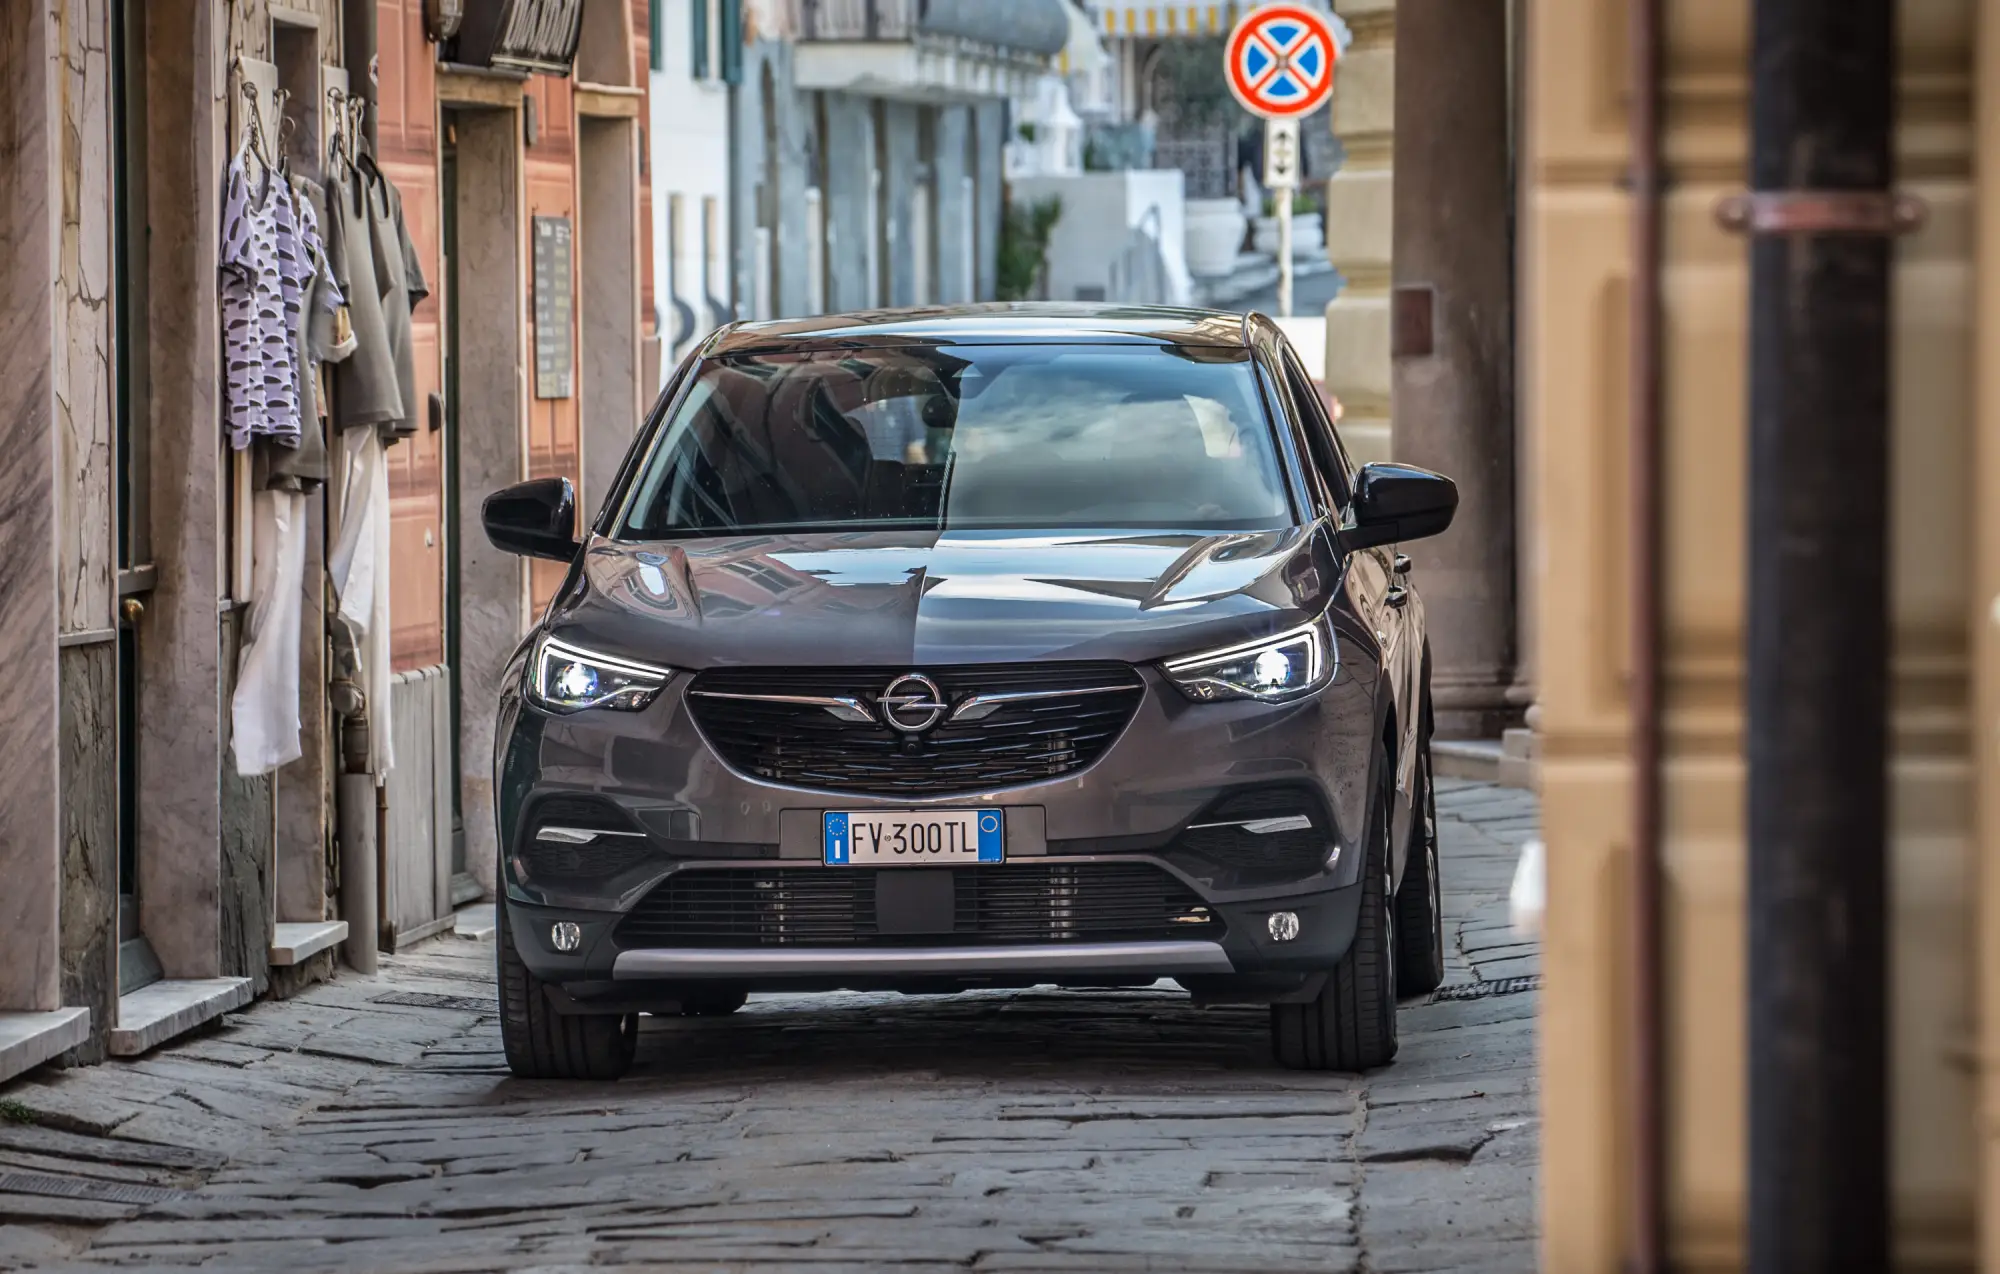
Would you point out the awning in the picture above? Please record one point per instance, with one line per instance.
(1162, 19)
(1084, 51)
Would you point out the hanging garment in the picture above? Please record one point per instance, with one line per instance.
(366, 388)
(260, 389)
(359, 568)
(317, 298)
(401, 278)
(265, 708)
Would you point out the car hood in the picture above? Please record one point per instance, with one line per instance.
(890, 598)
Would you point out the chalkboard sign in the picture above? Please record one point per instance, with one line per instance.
(555, 350)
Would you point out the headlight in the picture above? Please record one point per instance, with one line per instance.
(1288, 666)
(566, 678)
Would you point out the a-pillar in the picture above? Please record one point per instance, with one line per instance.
(1359, 227)
(1451, 344)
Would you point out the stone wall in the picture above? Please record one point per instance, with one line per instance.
(1576, 274)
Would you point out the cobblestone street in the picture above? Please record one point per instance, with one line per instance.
(370, 1125)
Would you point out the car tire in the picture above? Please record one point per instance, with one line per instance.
(544, 1044)
(1420, 898)
(720, 1002)
(1351, 1024)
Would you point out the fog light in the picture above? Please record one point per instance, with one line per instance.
(1284, 926)
(567, 935)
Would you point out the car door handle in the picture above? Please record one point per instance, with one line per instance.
(1402, 563)
(1398, 596)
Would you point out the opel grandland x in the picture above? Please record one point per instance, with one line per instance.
(990, 646)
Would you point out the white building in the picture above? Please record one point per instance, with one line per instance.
(697, 57)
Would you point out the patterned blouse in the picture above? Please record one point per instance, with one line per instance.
(263, 273)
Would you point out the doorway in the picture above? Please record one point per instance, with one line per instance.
(138, 966)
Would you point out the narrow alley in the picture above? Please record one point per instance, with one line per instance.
(370, 1124)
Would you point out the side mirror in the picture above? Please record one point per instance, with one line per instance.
(1397, 502)
(535, 519)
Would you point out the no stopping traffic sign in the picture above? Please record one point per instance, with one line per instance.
(1279, 61)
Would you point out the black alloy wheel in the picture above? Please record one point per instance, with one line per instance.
(544, 1044)
(1420, 901)
(1351, 1024)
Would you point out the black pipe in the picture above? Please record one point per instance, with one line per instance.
(1821, 120)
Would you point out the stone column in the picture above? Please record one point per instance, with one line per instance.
(1451, 344)
(1358, 227)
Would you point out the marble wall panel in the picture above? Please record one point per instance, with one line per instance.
(608, 301)
(81, 376)
(247, 824)
(90, 837)
(183, 677)
(29, 863)
(492, 611)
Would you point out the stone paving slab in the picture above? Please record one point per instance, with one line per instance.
(370, 1125)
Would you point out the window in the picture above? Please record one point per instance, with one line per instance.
(1327, 453)
(925, 438)
(698, 37)
(656, 30)
(732, 42)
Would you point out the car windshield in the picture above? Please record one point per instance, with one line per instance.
(965, 437)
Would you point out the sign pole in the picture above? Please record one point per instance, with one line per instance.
(1279, 65)
(1284, 195)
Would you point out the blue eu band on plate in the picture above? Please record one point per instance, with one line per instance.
(899, 838)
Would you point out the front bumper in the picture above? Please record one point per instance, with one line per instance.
(1106, 959)
(1244, 961)
(1134, 805)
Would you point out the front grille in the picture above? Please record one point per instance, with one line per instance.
(1245, 857)
(1026, 741)
(835, 906)
(547, 864)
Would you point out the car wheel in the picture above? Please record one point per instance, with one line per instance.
(1351, 1024)
(720, 1002)
(544, 1044)
(1420, 900)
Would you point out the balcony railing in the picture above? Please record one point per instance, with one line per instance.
(1038, 28)
(860, 19)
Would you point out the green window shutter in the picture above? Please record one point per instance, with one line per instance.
(700, 32)
(655, 34)
(732, 41)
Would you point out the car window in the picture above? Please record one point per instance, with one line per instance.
(1309, 459)
(1324, 439)
(944, 437)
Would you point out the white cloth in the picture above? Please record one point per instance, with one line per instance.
(1528, 898)
(359, 566)
(265, 708)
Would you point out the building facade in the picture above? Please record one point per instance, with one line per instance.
(151, 883)
(696, 65)
(868, 148)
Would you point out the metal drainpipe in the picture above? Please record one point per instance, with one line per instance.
(1647, 1252)
(1820, 215)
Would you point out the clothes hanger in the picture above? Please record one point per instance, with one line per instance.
(286, 127)
(253, 132)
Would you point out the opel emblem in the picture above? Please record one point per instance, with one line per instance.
(912, 703)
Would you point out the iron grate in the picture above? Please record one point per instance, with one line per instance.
(1482, 990)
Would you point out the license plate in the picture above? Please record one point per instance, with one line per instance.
(913, 838)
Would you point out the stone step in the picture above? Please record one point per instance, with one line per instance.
(152, 1015)
(29, 1039)
(295, 943)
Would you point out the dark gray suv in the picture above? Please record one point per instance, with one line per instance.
(989, 646)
